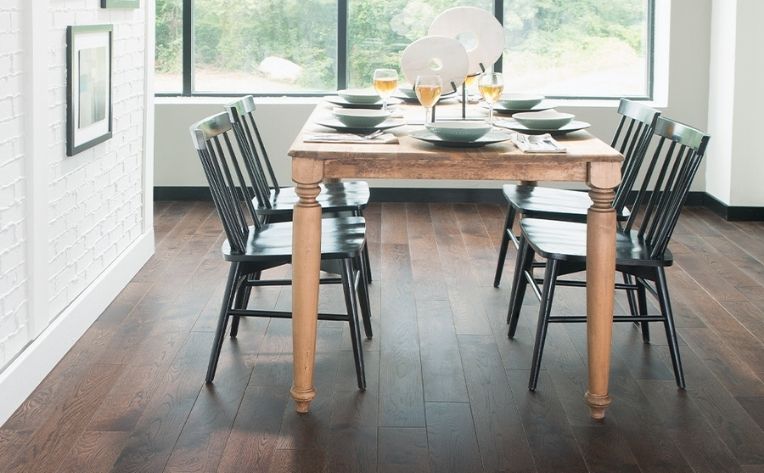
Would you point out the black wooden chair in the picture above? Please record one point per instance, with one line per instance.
(253, 245)
(275, 202)
(641, 248)
(632, 138)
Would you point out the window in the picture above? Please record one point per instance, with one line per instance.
(563, 48)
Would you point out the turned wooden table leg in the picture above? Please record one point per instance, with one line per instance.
(600, 282)
(306, 261)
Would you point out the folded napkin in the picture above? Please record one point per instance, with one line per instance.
(384, 138)
(536, 143)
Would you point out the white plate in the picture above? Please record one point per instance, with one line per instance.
(436, 55)
(514, 125)
(337, 100)
(477, 30)
(331, 122)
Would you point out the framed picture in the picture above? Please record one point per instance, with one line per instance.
(88, 79)
(120, 3)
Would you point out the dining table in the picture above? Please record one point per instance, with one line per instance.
(587, 160)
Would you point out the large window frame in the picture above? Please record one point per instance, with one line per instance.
(342, 57)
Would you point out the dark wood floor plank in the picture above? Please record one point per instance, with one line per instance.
(203, 438)
(93, 452)
(151, 442)
(251, 444)
(549, 435)
(129, 396)
(451, 438)
(403, 450)
(425, 264)
(698, 442)
(498, 424)
(442, 372)
(44, 450)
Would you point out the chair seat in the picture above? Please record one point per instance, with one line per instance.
(548, 202)
(334, 196)
(340, 238)
(566, 241)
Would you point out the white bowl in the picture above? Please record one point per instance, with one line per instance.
(520, 101)
(546, 120)
(360, 117)
(361, 96)
(459, 130)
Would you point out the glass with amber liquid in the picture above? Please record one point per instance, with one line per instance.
(491, 85)
(385, 83)
(428, 90)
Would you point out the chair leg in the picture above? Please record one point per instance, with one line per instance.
(642, 304)
(633, 307)
(355, 332)
(363, 294)
(545, 309)
(510, 220)
(519, 284)
(228, 297)
(242, 304)
(665, 303)
(367, 263)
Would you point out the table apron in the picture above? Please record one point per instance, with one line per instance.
(427, 169)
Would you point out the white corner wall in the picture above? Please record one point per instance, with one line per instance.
(73, 230)
(736, 71)
(682, 61)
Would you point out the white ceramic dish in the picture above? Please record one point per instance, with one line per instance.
(546, 120)
(520, 101)
(360, 96)
(459, 130)
(360, 117)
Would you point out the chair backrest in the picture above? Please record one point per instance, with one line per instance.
(667, 181)
(632, 138)
(242, 116)
(230, 182)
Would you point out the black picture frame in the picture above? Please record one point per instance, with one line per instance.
(120, 3)
(88, 86)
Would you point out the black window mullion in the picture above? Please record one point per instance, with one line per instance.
(498, 12)
(188, 47)
(342, 44)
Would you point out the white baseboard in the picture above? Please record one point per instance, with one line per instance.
(23, 375)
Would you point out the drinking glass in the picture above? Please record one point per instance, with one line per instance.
(385, 82)
(428, 90)
(491, 85)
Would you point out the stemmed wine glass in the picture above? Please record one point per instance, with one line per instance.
(491, 85)
(385, 82)
(428, 90)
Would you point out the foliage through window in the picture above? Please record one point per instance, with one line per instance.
(580, 48)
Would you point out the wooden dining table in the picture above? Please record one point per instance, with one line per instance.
(587, 159)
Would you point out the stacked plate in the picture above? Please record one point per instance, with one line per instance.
(359, 98)
(360, 120)
(509, 104)
(460, 134)
(547, 121)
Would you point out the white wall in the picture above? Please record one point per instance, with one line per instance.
(682, 95)
(736, 72)
(74, 230)
(14, 330)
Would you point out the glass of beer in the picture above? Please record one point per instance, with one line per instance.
(428, 90)
(491, 85)
(385, 82)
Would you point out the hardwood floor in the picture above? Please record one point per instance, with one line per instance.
(447, 389)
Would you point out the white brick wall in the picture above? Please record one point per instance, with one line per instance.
(13, 314)
(95, 197)
(95, 207)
